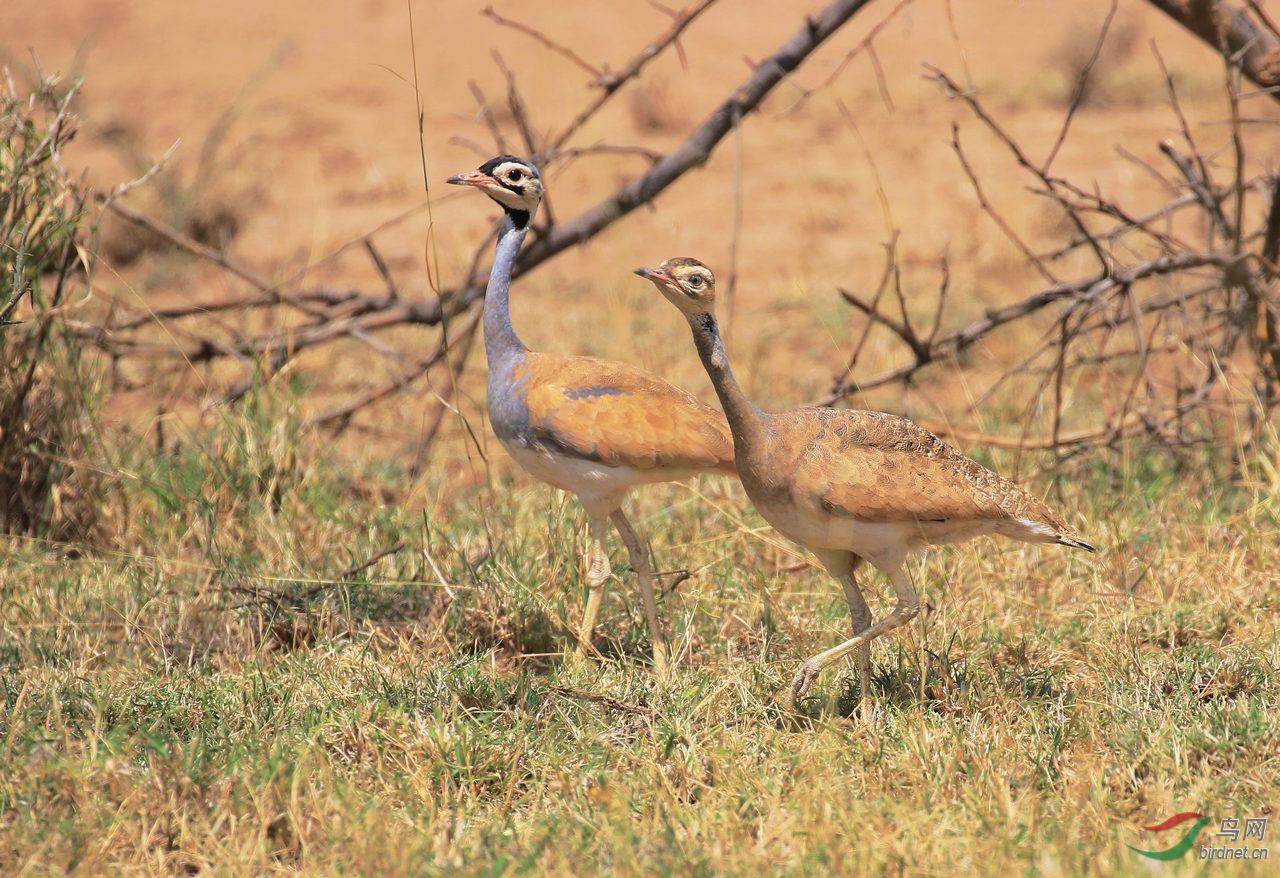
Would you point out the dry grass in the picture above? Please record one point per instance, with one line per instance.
(200, 698)
(226, 688)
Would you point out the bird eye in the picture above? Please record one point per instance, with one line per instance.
(695, 280)
(514, 175)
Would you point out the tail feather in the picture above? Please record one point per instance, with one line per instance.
(1075, 543)
(1048, 528)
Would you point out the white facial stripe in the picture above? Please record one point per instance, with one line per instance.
(507, 197)
(521, 194)
(506, 167)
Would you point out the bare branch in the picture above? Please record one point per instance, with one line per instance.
(866, 44)
(377, 313)
(901, 330)
(1230, 30)
(515, 103)
(560, 49)
(341, 415)
(570, 153)
(890, 266)
(486, 114)
(950, 345)
(1050, 183)
(1207, 197)
(697, 147)
(611, 82)
(195, 248)
(990, 210)
(381, 265)
(1081, 86)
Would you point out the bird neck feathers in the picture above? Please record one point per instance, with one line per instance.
(500, 340)
(745, 420)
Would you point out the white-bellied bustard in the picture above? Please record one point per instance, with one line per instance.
(853, 485)
(592, 427)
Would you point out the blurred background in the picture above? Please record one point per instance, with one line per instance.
(297, 139)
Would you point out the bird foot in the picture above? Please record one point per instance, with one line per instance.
(803, 680)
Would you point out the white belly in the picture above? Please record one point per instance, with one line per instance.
(884, 544)
(599, 487)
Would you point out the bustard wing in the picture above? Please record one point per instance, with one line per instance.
(622, 416)
(878, 467)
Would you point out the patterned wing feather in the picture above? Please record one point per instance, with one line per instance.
(878, 467)
(622, 416)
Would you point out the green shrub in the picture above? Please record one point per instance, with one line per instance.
(47, 399)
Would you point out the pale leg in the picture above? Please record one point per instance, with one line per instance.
(640, 563)
(597, 575)
(842, 566)
(860, 615)
(907, 608)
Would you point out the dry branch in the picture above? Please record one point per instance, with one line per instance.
(383, 312)
(1139, 292)
(696, 148)
(1232, 31)
(559, 48)
(192, 246)
(948, 347)
(611, 82)
(866, 44)
(333, 315)
(1209, 309)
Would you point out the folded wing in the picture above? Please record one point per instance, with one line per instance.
(883, 468)
(622, 416)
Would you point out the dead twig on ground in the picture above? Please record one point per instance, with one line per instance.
(606, 700)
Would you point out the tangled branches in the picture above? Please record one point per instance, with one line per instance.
(1172, 334)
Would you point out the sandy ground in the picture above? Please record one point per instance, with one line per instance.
(298, 120)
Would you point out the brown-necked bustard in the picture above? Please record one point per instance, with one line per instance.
(853, 485)
(592, 427)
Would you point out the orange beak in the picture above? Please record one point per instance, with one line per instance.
(472, 178)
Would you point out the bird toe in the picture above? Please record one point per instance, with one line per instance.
(803, 680)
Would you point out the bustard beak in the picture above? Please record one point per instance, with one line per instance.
(471, 178)
(656, 274)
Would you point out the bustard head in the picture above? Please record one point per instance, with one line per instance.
(514, 183)
(687, 284)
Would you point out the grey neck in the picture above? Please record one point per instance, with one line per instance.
(500, 340)
(746, 421)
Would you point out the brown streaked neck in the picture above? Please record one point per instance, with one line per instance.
(745, 420)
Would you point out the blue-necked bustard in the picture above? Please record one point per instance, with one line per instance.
(592, 427)
(853, 485)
